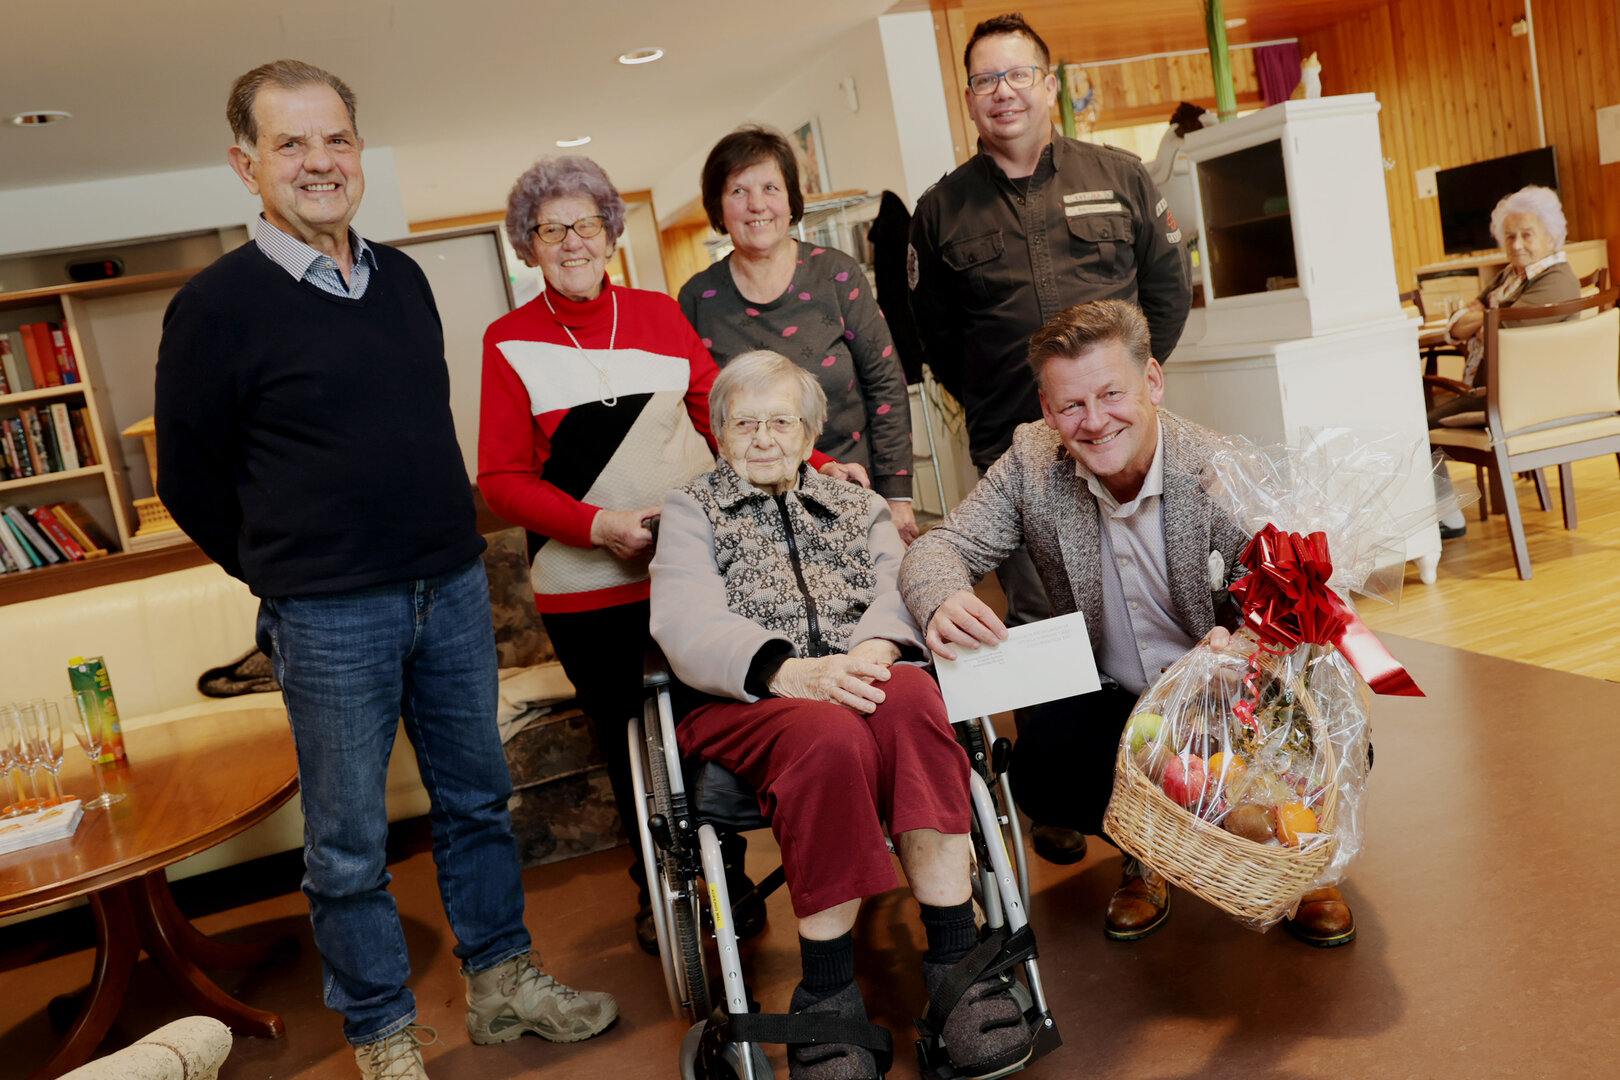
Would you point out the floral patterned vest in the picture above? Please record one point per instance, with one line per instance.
(796, 564)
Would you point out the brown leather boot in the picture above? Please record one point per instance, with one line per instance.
(1139, 906)
(1323, 919)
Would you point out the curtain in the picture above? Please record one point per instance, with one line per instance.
(1279, 70)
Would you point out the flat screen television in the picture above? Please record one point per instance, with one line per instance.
(1468, 194)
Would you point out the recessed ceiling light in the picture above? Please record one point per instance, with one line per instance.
(1233, 24)
(39, 117)
(641, 56)
(581, 141)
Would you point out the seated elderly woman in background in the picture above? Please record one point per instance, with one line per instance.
(774, 598)
(1529, 225)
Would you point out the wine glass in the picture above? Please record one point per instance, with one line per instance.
(19, 736)
(87, 730)
(49, 745)
(11, 758)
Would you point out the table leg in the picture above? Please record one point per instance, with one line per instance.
(177, 946)
(117, 948)
(208, 953)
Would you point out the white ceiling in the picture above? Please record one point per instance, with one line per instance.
(467, 92)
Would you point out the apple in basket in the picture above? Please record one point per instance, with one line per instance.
(1185, 777)
(1143, 728)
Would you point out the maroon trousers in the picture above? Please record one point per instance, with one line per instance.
(828, 778)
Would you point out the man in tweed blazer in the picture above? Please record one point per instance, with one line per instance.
(1105, 494)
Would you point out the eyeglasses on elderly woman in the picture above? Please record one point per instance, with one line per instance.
(553, 232)
(745, 427)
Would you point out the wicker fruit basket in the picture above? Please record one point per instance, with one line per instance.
(1257, 882)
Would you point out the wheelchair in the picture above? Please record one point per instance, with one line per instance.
(681, 806)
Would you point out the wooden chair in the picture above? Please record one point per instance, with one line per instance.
(1552, 397)
(1430, 354)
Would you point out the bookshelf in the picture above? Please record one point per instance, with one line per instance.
(115, 327)
(112, 328)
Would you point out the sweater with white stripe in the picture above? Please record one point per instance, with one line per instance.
(552, 452)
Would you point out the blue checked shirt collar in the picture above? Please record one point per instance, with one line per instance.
(305, 263)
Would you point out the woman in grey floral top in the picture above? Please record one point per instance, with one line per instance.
(811, 304)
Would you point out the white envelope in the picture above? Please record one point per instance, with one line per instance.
(1041, 661)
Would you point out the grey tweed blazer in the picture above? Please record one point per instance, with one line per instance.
(1032, 496)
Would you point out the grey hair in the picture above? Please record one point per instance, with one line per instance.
(758, 371)
(571, 176)
(1539, 201)
(286, 74)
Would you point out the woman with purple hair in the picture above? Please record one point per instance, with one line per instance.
(595, 404)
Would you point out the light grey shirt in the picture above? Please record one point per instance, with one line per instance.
(316, 267)
(1141, 635)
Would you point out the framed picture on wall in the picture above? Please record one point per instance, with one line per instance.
(812, 157)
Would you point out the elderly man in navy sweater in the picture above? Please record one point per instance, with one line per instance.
(305, 443)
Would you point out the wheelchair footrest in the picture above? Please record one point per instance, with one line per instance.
(804, 1029)
(999, 951)
(934, 1063)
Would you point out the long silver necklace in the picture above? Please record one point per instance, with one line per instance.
(609, 398)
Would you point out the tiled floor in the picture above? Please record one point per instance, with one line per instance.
(1484, 896)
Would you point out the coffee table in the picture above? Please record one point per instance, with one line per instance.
(190, 784)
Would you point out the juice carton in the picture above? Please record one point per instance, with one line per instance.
(90, 673)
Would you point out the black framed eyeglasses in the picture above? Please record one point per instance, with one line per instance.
(1019, 78)
(554, 232)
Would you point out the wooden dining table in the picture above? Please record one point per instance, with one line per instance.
(188, 785)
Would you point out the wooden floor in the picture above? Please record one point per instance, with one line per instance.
(1484, 893)
(1484, 897)
(1566, 617)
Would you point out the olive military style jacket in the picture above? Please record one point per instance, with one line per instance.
(993, 259)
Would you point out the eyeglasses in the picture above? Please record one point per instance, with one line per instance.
(747, 426)
(553, 232)
(1018, 78)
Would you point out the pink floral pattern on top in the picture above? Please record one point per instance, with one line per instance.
(828, 323)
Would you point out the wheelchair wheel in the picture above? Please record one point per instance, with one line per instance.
(705, 1057)
(686, 951)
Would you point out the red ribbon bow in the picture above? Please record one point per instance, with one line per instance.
(1286, 600)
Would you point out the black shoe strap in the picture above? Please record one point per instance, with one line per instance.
(999, 951)
(811, 1029)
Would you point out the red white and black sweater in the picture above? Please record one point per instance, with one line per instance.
(551, 454)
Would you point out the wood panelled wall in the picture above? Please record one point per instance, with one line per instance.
(1136, 92)
(1455, 86)
(1142, 91)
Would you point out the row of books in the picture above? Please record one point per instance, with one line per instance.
(45, 439)
(37, 355)
(47, 535)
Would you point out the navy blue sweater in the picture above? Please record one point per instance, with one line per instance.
(305, 440)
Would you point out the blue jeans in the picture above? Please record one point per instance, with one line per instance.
(351, 665)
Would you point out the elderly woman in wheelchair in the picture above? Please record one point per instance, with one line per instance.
(774, 598)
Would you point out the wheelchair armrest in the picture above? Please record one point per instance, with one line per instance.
(654, 668)
(1444, 383)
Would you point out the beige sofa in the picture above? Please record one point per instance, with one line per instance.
(159, 634)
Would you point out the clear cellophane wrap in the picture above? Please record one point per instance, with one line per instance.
(1242, 772)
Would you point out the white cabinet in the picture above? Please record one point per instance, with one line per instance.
(1302, 324)
(1367, 378)
(1293, 221)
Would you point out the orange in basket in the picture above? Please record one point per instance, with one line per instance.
(1293, 819)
